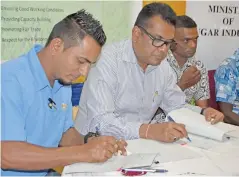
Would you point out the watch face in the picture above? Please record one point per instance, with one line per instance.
(91, 134)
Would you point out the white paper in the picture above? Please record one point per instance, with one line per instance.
(196, 124)
(226, 127)
(113, 164)
(227, 163)
(234, 133)
(201, 142)
(168, 152)
(231, 149)
(193, 167)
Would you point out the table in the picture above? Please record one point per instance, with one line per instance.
(220, 160)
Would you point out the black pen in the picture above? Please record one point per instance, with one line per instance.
(51, 103)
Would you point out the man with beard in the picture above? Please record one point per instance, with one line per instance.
(36, 102)
(191, 73)
(132, 79)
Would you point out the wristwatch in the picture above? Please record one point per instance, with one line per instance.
(89, 135)
(202, 111)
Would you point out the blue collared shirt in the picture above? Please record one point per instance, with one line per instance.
(25, 114)
(227, 81)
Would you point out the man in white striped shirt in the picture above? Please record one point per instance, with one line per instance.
(132, 79)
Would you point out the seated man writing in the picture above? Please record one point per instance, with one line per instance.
(191, 73)
(36, 108)
(132, 79)
(227, 88)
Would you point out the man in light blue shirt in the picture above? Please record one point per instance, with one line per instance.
(36, 108)
(132, 79)
(227, 88)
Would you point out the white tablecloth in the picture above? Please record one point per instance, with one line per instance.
(220, 160)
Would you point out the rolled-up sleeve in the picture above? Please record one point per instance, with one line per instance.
(12, 118)
(101, 102)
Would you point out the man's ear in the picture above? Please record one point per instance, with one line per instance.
(136, 33)
(56, 46)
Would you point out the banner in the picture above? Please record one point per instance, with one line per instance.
(25, 23)
(218, 27)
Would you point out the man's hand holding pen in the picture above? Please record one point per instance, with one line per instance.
(102, 148)
(165, 132)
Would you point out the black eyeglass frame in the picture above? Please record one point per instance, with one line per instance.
(167, 43)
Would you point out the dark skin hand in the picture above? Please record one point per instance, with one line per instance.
(230, 117)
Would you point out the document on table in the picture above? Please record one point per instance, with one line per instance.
(193, 167)
(210, 144)
(227, 163)
(230, 149)
(168, 152)
(200, 142)
(196, 124)
(113, 164)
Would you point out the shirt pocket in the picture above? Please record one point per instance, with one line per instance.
(156, 100)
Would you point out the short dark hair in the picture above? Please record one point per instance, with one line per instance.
(184, 21)
(73, 28)
(154, 9)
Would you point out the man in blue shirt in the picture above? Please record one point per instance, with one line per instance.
(227, 88)
(37, 128)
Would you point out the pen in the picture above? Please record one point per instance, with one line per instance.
(171, 119)
(145, 170)
(51, 104)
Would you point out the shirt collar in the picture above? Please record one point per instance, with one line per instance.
(129, 55)
(172, 60)
(38, 72)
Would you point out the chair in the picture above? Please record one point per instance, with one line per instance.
(212, 100)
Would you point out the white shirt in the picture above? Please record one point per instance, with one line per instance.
(118, 96)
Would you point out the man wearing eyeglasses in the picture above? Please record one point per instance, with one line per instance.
(132, 79)
(191, 73)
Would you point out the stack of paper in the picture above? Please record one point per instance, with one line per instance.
(196, 124)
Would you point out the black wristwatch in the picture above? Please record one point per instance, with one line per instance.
(202, 111)
(89, 135)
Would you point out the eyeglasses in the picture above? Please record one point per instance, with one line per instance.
(156, 42)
